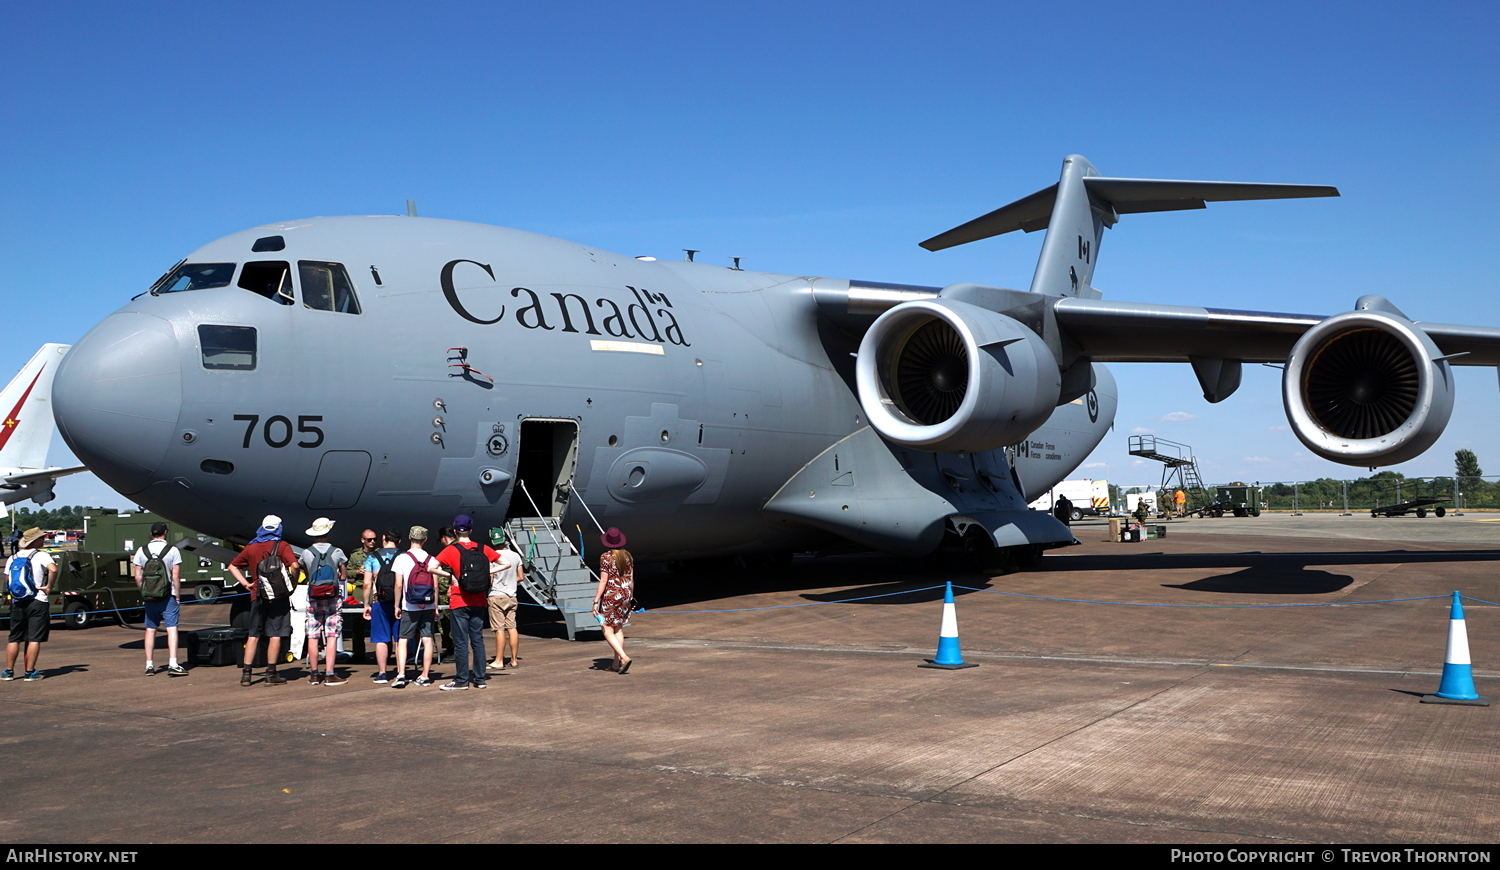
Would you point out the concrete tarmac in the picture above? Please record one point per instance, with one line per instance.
(1098, 713)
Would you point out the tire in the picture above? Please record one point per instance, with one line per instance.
(1077, 515)
(1440, 511)
(1421, 513)
(1217, 513)
(1240, 512)
(1374, 515)
(1255, 513)
(206, 591)
(76, 615)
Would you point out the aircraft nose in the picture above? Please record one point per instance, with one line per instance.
(117, 396)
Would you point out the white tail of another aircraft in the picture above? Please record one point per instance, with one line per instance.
(26, 428)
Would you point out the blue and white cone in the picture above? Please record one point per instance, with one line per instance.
(948, 657)
(1457, 686)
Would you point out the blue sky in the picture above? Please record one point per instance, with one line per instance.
(810, 138)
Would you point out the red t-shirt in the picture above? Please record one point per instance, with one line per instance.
(251, 556)
(449, 558)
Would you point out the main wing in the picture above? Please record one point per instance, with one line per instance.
(1144, 332)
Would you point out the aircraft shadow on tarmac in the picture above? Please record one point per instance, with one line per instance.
(1261, 573)
(1269, 580)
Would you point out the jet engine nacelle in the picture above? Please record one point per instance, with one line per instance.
(948, 376)
(1367, 388)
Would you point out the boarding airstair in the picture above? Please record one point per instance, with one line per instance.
(1178, 464)
(554, 574)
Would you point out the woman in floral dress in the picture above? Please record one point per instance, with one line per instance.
(615, 595)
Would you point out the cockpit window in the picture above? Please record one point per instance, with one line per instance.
(228, 347)
(272, 280)
(194, 276)
(326, 287)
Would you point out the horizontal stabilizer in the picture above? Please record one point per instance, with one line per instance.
(1125, 196)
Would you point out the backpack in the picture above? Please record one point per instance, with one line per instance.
(324, 582)
(156, 580)
(272, 574)
(22, 586)
(420, 589)
(473, 569)
(385, 579)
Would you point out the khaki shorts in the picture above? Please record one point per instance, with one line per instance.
(503, 612)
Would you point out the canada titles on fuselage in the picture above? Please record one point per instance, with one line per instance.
(533, 315)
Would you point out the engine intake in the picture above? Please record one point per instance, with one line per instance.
(948, 376)
(1367, 388)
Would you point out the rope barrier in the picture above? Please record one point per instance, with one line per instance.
(1220, 606)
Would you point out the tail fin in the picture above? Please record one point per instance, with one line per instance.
(1082, 204)
(26, 428)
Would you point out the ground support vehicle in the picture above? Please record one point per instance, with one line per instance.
(203, 578)
(1418, 506)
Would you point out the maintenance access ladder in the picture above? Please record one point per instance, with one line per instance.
(553, 572)
(1178, 461)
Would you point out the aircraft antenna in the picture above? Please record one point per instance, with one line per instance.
(411, 208)
(690, 252)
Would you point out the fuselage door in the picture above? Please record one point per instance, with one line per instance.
(340, 480)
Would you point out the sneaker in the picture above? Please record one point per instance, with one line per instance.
(381, 678)
(423, 681)
(245, 677)
(33, 676)
(177, 670)
(333, 680)
(479, 685)
(7, 675)
(454, 686)
(399, 682)
(275, 679)
(315, 678)
(151, 670)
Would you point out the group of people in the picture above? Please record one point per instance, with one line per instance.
(294, 597)
(401, 594)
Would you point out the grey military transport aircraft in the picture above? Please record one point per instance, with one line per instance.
(387, 370)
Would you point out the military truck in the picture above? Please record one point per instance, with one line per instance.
(1240, 499)
(202, 578)
(95, 582)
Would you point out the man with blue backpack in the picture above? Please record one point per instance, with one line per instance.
(29, 574)
(380, 600)
(323, 564)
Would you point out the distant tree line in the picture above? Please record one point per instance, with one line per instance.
(66, 517)
(1381, 488)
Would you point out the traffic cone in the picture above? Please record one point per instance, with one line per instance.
(948, 657)
(1457, 686)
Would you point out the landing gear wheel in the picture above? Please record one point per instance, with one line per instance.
(76, 615)
(206, 592)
